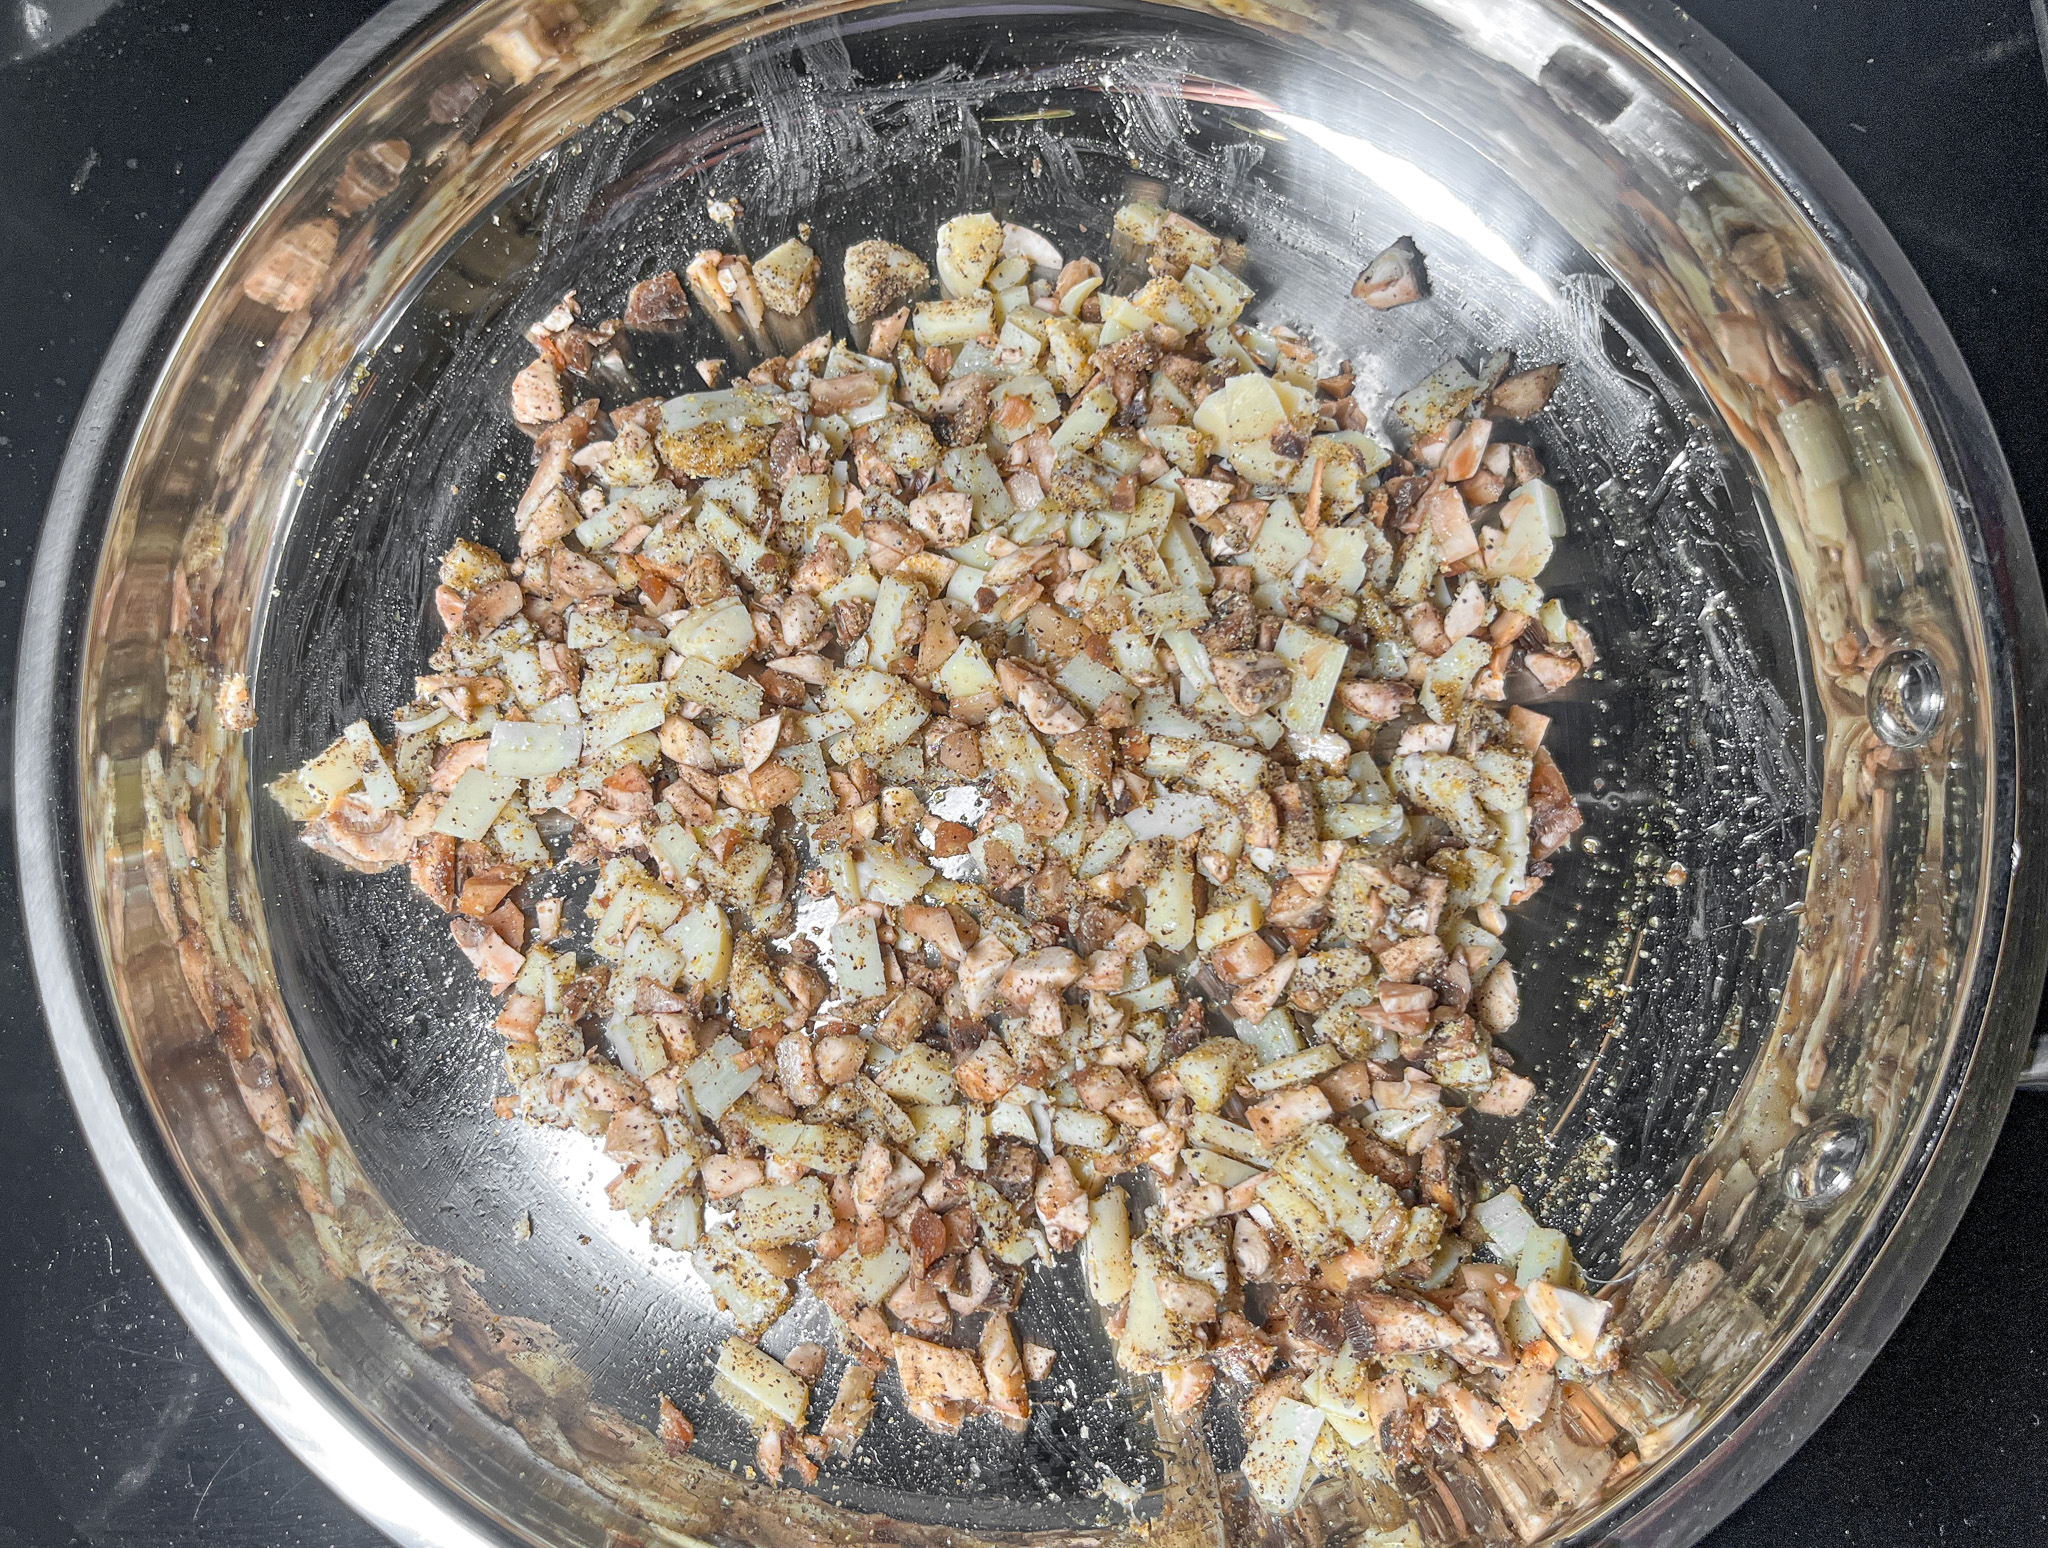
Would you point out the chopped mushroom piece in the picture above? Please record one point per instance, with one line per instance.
(537, 396)
(940, 1385)
(1002, 1368)
(657, 303)
(1524, 394)
(851, 1409)
(677, 1433)
(1394, 278)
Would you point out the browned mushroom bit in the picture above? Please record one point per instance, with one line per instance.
(1394, 278)
(1065, 650)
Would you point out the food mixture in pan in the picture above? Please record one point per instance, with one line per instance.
(1054, 785)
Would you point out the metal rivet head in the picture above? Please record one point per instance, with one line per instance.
(1823, 1160)
(1906, 698)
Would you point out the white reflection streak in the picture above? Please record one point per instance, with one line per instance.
(1425, 197)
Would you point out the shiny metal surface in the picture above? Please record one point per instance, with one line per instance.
(1771, 1005)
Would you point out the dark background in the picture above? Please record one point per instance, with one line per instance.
(115, 1430)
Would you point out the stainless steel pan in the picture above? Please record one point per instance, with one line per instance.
(1776, 1004)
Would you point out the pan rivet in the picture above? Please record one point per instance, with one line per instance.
(1906, 698)
(1823, 1160)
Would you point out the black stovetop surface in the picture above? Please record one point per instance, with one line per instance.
(116, 1431)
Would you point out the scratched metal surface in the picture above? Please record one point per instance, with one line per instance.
(118, 1433)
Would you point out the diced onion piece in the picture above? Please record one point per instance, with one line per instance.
(1027, 243)
(380, 786)
(677, 846)
(783, 1214)
(1183, 558)
(918, 1074)
(717, 1080)
(1240, 916)
(1170, 903)
(1437, 399)
(1088, 682)
(1158, 717)
(1244, 411)
(1376, 822)
(1106, 1251)
(967, 248)
(1232, 773)
(333, 771)
(1507, 1223)
(517, 836)
(1450, 677)
(1213, 1166)
(1276, 1464)
(1157, 995)
(763, 1380)
(1282, 543)
(678, 1223)
(474, 804)
(1107, 848)
(705, 940)
(886, 709)
(1018, 760)
(1210, 1070)
(648, 955)
(1214, 1133)
(1080, 1129)
(417, 718)
(1170, 610)
(1273, 1038)
(1012, 1120)
(895, 598)
(1309, 1064)
(955, 321)
(635, 717)
(1546, 1258)
(1222, 292)
(721, 634)
(528, 749)
(744, 1285)
(886, 876)
(705, 684)
(1153, 1337)
(632, 1037)
(867, 1279)
(857, 958)
(940, 1131)
(1086, 420)
(1318, 663)
(1530, 522)
(787, 277)
(637, 900)
(642, 1188)
(967, 672)
(1175, 815)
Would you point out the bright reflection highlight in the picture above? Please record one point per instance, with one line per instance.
(1426, 198)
